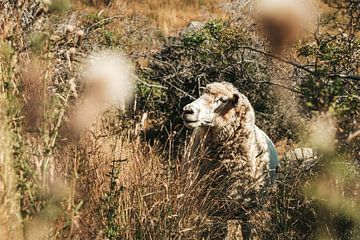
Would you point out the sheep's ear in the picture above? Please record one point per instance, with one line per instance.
(235, 99)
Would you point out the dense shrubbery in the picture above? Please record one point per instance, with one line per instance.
(322, 77)
(332, 81)
(218, 52)
(113, 183)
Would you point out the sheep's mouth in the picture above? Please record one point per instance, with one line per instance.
(196, 123)
(207, 123)
(191, 123)
(188, 118)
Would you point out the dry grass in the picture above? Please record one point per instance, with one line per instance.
(34, 88)
(108, 182)
(173, 15)
(132, 191)
(10, 223)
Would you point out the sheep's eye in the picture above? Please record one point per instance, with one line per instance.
(204, 90)
(223, 99)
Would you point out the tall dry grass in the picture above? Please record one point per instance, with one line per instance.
(109, 182)
(10, 215)
(173, 16)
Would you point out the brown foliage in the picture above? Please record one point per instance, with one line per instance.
(34, 90)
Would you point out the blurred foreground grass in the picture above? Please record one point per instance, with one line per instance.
(122, 179)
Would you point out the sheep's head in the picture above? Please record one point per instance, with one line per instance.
(219, 105)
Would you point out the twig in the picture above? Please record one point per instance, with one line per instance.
(182, 91)
(150, 85)
(343, 76)
(350, 77)
(105, 21)
(280, 59)
(280, 85)
(163, 87)
(354, 135)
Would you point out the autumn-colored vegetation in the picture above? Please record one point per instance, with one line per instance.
(118, 174)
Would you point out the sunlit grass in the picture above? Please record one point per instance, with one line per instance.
(173, 15)
(108, 181)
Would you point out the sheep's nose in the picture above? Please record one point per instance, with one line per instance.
(188, 110)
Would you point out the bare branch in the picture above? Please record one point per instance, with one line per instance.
(150, 85)
(302, 67)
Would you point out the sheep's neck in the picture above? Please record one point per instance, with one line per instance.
(228, 144)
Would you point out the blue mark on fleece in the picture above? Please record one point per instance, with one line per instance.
(274, 159)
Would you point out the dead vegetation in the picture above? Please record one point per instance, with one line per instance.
(123, 177)
(173, 16)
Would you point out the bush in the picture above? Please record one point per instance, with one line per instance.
(217, 52)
